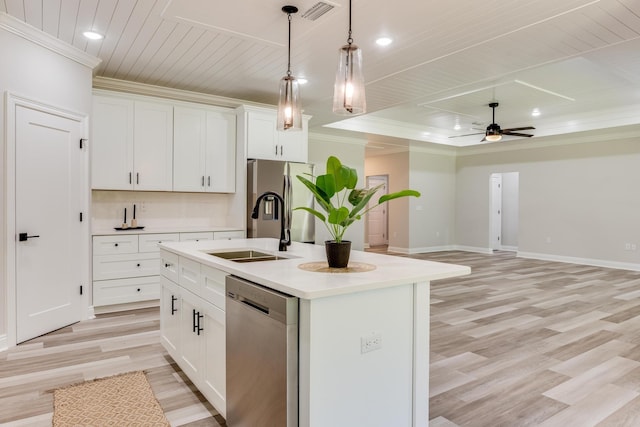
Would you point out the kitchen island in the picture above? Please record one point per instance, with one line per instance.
(363, 335)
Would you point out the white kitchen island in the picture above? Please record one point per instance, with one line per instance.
(340, 384)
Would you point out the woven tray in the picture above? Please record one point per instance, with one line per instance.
(323, 267)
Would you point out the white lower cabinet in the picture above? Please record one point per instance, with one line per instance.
(192, 325)
(125, 266)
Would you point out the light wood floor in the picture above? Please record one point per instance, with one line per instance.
(517, 343)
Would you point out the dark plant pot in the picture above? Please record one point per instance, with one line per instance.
(337, 253)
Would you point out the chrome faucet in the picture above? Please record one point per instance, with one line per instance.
(285, 233)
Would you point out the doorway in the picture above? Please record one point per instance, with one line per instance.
(47, 229)
(377, 218)
(504, 211)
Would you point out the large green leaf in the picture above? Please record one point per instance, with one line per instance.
(327, 183)
(360, 198)
(403, 193)
(336, 216)
(312, 211)
(321, 197)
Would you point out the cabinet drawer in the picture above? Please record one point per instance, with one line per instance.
(149, 242)
(213, 288)
(189, 275)
(236, 234)
(120, 291)
(188, 237)
(111, 245)
(119, 266)
(169, 263)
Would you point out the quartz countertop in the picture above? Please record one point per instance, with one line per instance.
(102, 231)
(284, 275)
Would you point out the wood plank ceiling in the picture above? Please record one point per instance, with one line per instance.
(578, 61)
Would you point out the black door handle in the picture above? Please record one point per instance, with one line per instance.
(22, 237)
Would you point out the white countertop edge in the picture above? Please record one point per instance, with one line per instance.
(286, 277)
(159, 230)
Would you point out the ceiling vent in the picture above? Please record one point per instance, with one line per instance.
(317, 10)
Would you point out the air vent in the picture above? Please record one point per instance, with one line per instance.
(317, 10)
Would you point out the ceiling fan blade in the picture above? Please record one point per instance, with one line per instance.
(467, 134)
(523, 128)
(517, 134)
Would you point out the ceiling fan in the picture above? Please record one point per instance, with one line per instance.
(494, 132)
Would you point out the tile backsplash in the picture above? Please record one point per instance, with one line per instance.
(162, 210)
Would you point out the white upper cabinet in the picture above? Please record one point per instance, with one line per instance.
(153, 146)
(132, 145)
(112, 143)
(263, 141)
(204, 150)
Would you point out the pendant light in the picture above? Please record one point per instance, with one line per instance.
(289, 108)
(348, 91)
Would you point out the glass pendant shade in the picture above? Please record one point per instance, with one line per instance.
(493, 138)
(289, 105)
(348, 91)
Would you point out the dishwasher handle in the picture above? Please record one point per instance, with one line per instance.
(256, 306)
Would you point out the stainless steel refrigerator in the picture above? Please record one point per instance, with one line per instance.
(280, 177)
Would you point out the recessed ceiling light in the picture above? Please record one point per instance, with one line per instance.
(457, 126)
(384, 41)
(535, 112)
(426, 133)
(92, 35)
(302, 80)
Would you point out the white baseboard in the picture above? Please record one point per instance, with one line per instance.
(509, 248)
(91, 313)
(463, 248)
(581, 261)
(3, 343)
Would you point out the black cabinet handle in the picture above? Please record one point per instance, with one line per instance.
(116, 245)
(137, 178)
(209, 181)
(138, 289)
(130, 178)
(194, 320)
(22, 237)
(166, 265)
(137, 265)
(200, 316)
(173, 307)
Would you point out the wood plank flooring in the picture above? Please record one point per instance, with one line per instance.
(517, 343)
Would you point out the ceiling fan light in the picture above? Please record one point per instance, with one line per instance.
(493, 137)
(289, 105)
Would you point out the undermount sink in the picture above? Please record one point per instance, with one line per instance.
(248, 255)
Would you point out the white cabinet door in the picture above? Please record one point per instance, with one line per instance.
(189, 143)
(261, 135)
(265, 142)
(214, 362)
(220, 152)
(170, 312)
(153, 146)
(191, 337)
(112, 144)
(293, 146)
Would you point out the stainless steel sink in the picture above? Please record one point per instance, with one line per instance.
(248, 255)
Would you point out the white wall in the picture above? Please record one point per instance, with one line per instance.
(431, 219)
(35, 72)
(351, 153)
(578, 201)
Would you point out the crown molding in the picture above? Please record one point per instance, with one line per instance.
(34, 35)
(106, 83)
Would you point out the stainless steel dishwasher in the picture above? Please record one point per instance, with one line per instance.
(262, 356)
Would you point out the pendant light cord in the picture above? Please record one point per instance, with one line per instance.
(289, 48)
(350, 39)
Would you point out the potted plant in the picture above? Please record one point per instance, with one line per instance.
(336, 193)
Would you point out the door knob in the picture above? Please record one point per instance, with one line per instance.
(22, 237)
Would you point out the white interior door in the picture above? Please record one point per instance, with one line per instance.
(48, 193)
(377, 217)
(496, 212)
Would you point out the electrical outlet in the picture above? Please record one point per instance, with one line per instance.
(370, 342)
(627, 246)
